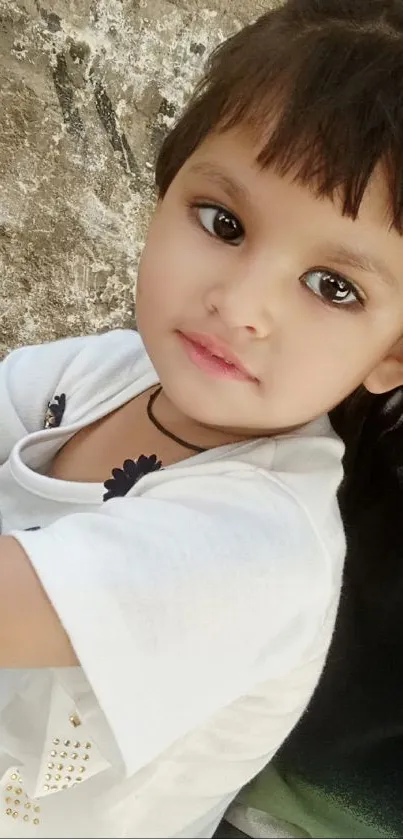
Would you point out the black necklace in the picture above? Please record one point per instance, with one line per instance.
(165, 431)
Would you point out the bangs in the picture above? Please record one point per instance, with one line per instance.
(330, 117)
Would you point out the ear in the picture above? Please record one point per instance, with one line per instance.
(389, 372)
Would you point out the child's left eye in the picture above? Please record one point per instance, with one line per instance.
(333, 289)
(220, 223)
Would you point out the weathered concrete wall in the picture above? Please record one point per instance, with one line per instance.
(87, 89)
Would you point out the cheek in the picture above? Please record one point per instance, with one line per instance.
(322, 359)
(166, 243)
(152, 278)
(172, 269)
(163, 288)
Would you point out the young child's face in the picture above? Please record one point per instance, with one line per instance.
(257, 267)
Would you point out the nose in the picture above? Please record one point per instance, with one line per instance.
(247, 300)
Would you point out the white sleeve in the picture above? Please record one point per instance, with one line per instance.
(175, 608)
(28, 378)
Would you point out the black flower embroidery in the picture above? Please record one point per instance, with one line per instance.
(124, 479)
(55, 410)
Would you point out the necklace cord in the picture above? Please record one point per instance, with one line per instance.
(165, 431)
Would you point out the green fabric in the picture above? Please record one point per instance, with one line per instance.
(313, 811)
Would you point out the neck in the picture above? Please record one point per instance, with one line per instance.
(205, 436)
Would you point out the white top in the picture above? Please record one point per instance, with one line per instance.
(200, 605)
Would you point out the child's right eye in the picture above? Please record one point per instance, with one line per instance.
(219, 222)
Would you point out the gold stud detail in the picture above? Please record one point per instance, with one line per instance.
(67, 742)
(27, 805)
(53, 753)
(15, 814)
(46, 787)
(26, 818)
(57, 777)
(76, 744)
(9, 788)
(56, 741)
(68, 778)
(14, 776)
(74, 755)
(60, 766)
(8, 799)
(37, 809)
(47, 777)
(9, 811)
(75, 720)
(17, 802)
(51, 765)
(81, 769)
(70, 768)
(88, 745)
(63, 754)
(79, 779)
(86, 757)
(18, 791)
(36, 821)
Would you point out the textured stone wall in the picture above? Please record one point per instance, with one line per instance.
(87, 90)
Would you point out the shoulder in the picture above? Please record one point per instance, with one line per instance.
(297, 474)
(102, 369)
(110, 349)
(84, 371)
(55, 357)
(258, 516)
(309, 465)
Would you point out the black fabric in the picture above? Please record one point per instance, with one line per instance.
(227, 831)
(350, 741)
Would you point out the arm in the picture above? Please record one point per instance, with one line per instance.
(31, 634)
(174, 605)
(202, 652)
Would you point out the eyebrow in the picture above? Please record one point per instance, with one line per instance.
(233, 188)
(346, 256)
(340, 254)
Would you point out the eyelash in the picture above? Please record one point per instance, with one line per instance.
(360, 301)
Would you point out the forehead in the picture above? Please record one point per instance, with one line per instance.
(230, 159)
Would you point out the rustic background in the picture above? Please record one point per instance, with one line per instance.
(87, 90)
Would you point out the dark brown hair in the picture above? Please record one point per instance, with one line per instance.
(331, 72)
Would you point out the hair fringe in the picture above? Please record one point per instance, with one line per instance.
(320, 83)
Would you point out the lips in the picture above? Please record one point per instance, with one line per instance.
(218, 349)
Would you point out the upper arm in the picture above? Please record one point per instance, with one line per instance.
(31, 634)
(174, 609)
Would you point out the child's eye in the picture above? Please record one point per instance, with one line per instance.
(333, 289)
(219, 222)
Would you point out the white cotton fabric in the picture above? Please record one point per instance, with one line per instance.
(201, 606)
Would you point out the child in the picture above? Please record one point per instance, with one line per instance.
(171, 558)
